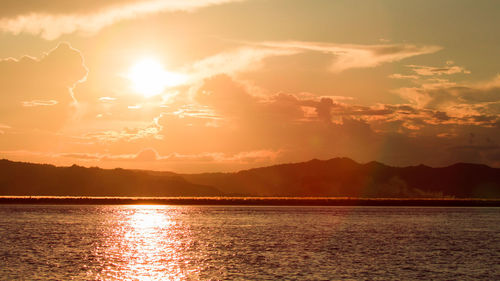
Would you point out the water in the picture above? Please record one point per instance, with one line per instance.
(256, 243)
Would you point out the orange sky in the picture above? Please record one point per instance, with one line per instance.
(223, 85)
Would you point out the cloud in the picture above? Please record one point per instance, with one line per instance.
(14, 7)
(453, 107)
(3, 128)
(230, 62)
(228, 122)
(50, 26)
(39, 103)
(430, 77)
(214, 93)
(148, 154)
(151, 155)
(238, 129)
(432, 70)
(124, 135)
(444, 94)
(194, 111)
(251, 56)
(38, 93)
(80, 156)
(231, 101)
(228, 128)
(321, 126)
(348, 56)
(402, 76)
(243, 157)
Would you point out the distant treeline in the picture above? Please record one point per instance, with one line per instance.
(338, 177)
(252, 201)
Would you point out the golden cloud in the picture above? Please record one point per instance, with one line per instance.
(51, 26)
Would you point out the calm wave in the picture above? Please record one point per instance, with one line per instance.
(257, 243)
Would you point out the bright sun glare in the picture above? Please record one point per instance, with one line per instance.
(149, 78)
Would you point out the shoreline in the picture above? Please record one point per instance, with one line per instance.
(250, 201)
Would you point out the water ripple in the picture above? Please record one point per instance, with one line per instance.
(252, 243)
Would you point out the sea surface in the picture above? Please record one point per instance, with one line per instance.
(43, 242)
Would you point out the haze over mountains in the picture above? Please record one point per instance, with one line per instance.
(337, 177)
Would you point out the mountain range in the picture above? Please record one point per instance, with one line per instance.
(337, 177)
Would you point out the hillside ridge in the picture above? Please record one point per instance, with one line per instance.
(336, 177)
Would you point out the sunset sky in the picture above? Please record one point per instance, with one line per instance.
(223, 85)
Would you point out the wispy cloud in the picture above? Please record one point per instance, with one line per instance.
(151, 155)
(229, 62)
(431, 76)
(52, 26)
(349, 56)
(127, 134)
(33, 103)
(251, 56)
(448, 69)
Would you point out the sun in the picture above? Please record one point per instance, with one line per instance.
(149, 77)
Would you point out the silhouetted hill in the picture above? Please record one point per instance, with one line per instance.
(344, 177)
(338, 177)
(18, 178)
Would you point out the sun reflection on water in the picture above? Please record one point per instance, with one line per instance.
(148, 218)
(144, 246)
